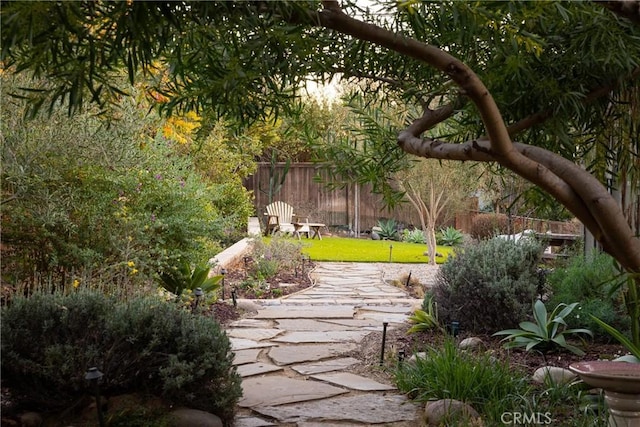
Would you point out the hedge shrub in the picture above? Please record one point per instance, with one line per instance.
(486, 226)
(142, 344)
(590, 281)
(488, 286)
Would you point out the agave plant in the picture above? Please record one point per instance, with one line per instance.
(426, 319)
(388, 229)
(547, 332)
(449, 237)
(184, 278)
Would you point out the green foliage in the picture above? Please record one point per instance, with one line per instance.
(548, 331)
(490, 386)
(488, 225)
(285, 253)
(116, 196)
(449, 237)
(488, 285)
(388, 229)
(142, 344)
(633, 348)
(181, 278)
(276, 179)
(270, 256)
(413, 236)
(425, 319)
(590, 281)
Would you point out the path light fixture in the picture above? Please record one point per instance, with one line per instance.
(384, 341)
(305, 258)
(234, 297)
(455, 328)
(223, 271)
(198, 293)
(390, 251)
(93, 375)
(408, 280)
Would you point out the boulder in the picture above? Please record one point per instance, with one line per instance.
(412, 360)
(185, 417)
(248, 306)
(470, 343)
(449, 412)
(553, 374)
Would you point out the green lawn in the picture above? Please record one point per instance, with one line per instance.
(367, 250)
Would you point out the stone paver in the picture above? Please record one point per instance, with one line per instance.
(255, 334)
(248, 355)
(363, 408)
(305, 312)
(276, 390)
(294, 354)
(352, 381)
(258, 368)
(325, 366)
(298, 337)
(288, 354)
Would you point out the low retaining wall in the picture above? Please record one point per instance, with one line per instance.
(235, 252)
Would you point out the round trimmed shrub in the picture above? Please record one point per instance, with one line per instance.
(143, 344)
(488, 286)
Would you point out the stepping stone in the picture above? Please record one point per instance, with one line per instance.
(355, 323)
(278, 390)
(243, 344)
(250, 323)
(251, 422)
(352, 381)
(310, 325)
(258, 368)
(300, 337)
(384, 317)
(289, 354)
(249, 355)
(305, 312)
(386, 309)
(255, 334)
(325, 366)
(371, 409)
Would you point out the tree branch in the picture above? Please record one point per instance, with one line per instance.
(591, 204)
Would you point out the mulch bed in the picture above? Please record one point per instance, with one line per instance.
(240, 279)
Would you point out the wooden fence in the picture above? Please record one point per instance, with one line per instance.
(337, 208)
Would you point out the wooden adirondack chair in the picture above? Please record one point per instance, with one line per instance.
(280, 217)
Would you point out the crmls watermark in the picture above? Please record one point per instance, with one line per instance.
(523, 418)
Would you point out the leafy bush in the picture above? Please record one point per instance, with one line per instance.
(142, 344)
(425, 319)
(486, 226)
(183, 278)
(488, 286)
(284, 253)
(117, 194)
(413, 236)
(449, 237)
(547, 333)
(388, 229)
(591, 282)
(488, 385)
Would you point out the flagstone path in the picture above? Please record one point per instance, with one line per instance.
(293, 354)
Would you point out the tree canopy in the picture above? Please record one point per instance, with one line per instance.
(546, 89)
